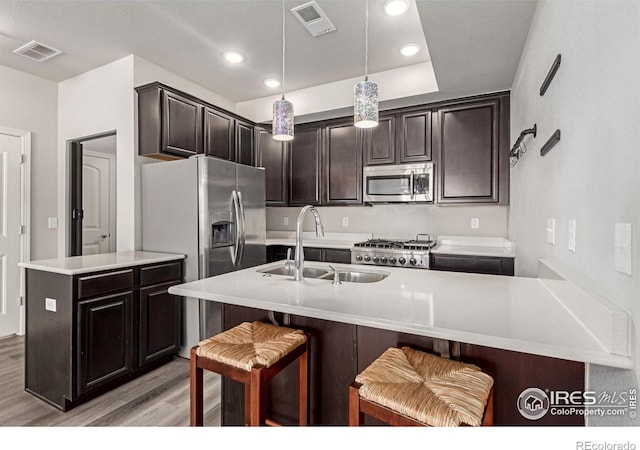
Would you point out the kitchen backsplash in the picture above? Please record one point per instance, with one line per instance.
(401, 220)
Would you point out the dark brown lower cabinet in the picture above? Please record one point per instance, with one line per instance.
(473, 264)
(104, 340)
(340, 351)
(88, 333)
(331, 255)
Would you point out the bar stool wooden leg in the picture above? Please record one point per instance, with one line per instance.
(196, 389)
(304, 386)
(257, 397)
(487, 420)
(355, 415)
(247, 404)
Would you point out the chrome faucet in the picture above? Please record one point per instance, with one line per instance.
(299, 256)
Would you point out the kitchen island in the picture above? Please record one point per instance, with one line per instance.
(526, 332)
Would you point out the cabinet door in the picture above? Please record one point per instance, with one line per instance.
(104, 340)
(160, 323)
(311, 254)
(380, 142)
(304, 167)
(468, 146)
(272, 155)
(218, 135)
(245, 147)
(472, 264)
(181, 125)
(336, 255)
(414, 137)
(343, 164)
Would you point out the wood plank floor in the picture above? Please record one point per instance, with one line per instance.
(158, 398)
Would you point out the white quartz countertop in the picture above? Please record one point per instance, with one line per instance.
(74, 265)
(512, 313)
(474, 246)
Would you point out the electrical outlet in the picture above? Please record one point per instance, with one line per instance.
(622, 246)
(50, 304)
(551, 231)
(572, 236)
(345, 221)
(286, 220)
(52, 222)
(475, 223)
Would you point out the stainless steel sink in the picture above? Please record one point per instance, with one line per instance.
(309, 272)
(352, 276)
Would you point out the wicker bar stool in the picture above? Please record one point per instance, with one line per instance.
(251, 353)
(408, 387)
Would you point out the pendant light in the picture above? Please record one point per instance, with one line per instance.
(282, 109)
(365, 107)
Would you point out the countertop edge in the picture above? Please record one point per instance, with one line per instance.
(109, 266)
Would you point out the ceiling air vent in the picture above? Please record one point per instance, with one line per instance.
(313, 18)
(37, 51)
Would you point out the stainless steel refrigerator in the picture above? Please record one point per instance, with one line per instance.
(211, 210)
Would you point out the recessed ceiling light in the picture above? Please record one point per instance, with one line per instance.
(396, 7)
(409, 49)
(233, 57)
(272, 83)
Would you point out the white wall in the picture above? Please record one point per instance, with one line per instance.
(30, 103)
(95, 102)
(399, 221)
(592, 174)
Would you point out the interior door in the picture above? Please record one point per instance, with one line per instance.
(10, 149)
(97, 203)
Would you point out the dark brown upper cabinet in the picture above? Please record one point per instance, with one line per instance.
(245, 147)
(272, 155)
(173, 124)
(472, 145)
(219, 139)
(414, 137)
(169, 124)
(380, 142)
(343, 164)
(305, 159)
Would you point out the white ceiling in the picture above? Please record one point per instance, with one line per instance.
(474, 45)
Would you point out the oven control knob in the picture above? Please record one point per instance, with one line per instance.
(413, 261)
(401, 260)
(375, 259)
(392, 260)
(359, 258)
(383, 259)
(367, 258)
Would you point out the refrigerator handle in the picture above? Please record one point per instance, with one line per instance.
(243, 230)
(238, 228)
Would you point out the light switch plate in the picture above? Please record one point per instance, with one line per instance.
(622, 248)
(572, 235)
(52, 222)
(345, 221)
(50, 304)
(286, 220)
(475, 223)
(551, 231)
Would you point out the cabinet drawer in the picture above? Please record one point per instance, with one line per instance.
(161, 273)
(105, 283)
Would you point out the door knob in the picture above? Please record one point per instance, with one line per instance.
(105, 235)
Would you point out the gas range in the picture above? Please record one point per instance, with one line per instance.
(396, 253)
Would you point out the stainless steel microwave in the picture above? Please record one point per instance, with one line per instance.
(398, 183)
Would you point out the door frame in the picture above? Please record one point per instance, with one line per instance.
(25, 210)
(74, 193)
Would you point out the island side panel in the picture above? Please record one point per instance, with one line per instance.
(514, 372)
(49, 337)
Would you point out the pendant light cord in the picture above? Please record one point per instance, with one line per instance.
(283, 47)
(366, 41)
